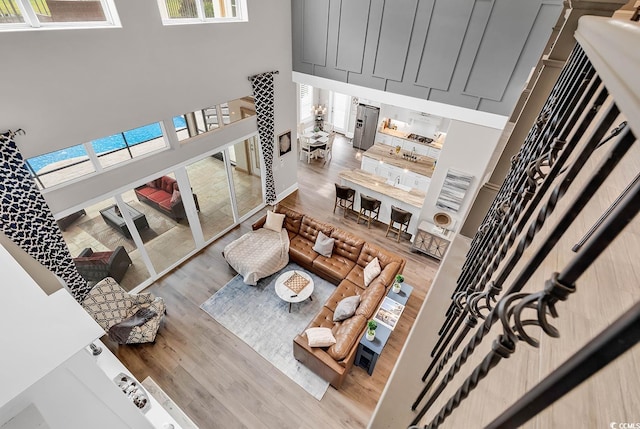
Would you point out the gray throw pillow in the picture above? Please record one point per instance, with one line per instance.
(324, 245)
(346, 308)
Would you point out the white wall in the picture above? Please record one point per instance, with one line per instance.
(468, 148)
(41, 331)
(404, 384)
(78, 395)
(72, 86)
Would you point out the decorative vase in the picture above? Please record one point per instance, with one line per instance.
(371, 335)
(397, 287)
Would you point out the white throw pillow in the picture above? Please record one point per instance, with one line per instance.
(320, 337)
(346, 308)
(274, 221)
(371, 271)
(324, 245)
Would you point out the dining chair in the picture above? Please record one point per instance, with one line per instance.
(307, 149)
(327, 152)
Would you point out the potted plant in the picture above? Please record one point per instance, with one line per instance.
(397, 285)
(371, 329)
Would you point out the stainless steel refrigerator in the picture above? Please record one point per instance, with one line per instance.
(364, 134)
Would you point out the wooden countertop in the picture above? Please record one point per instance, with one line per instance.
(380, 152)
(401, 135)
(365, 179)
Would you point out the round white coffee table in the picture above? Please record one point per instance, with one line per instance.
(289, 295)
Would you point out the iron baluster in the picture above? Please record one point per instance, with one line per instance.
(618, 151)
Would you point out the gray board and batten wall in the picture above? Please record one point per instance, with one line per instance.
(469, 53)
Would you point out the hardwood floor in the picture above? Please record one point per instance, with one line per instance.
(217, 379)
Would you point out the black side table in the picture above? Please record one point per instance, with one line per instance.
(369, 351)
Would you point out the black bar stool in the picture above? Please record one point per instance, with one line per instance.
(401, 217)
(369, 209)
(345, 197)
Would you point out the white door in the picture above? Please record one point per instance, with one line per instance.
(340, 111)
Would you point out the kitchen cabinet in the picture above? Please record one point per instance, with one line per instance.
(417, 148)
(397, 141)
(416, 181)
(395, 174)
(384, 139)
(387, 171)
(369, 164)
(433, 152)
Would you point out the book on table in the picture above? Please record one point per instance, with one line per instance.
(389, 313)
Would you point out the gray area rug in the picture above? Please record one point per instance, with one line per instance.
(257, 316)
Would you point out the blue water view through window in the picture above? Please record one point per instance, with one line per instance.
(105, 144)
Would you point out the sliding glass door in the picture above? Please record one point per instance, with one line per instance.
(161, 222)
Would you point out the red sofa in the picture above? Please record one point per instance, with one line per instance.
(163, 194)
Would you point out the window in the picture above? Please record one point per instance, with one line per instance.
(306, 101)
(52, 13)
(211, 118)
(57, 167)
(60, 166)
(190, 11)
(130, 144)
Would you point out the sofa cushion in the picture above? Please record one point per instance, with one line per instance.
(344, 290)
(158, 196)
(301, 251)
(370, 251)
(371, 271)
(324, 319)
(309, 229)
(347, 245)
(320, 337)
(292, 220)
(324, 245)
(167, 184)
(165, 204)
(346, 308)
(336, 267)
(347, 333)
(175, 197)
(145, 191)
(370, 299)
(274, 221)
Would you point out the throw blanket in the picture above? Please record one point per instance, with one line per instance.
(120, 331)
(258, 254)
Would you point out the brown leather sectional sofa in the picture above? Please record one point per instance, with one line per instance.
(345, 269)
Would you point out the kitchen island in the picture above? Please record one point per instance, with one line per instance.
(381, 160)
(379, 187)
(423, 165)
(411, 142)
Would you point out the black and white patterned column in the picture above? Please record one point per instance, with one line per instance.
(264, 96)
(28, 222)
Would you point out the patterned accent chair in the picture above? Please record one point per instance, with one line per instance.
(109, 305)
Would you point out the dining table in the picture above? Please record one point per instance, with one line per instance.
(317, 141)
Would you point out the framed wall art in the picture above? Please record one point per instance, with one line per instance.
(453, 190)
(284, 143)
